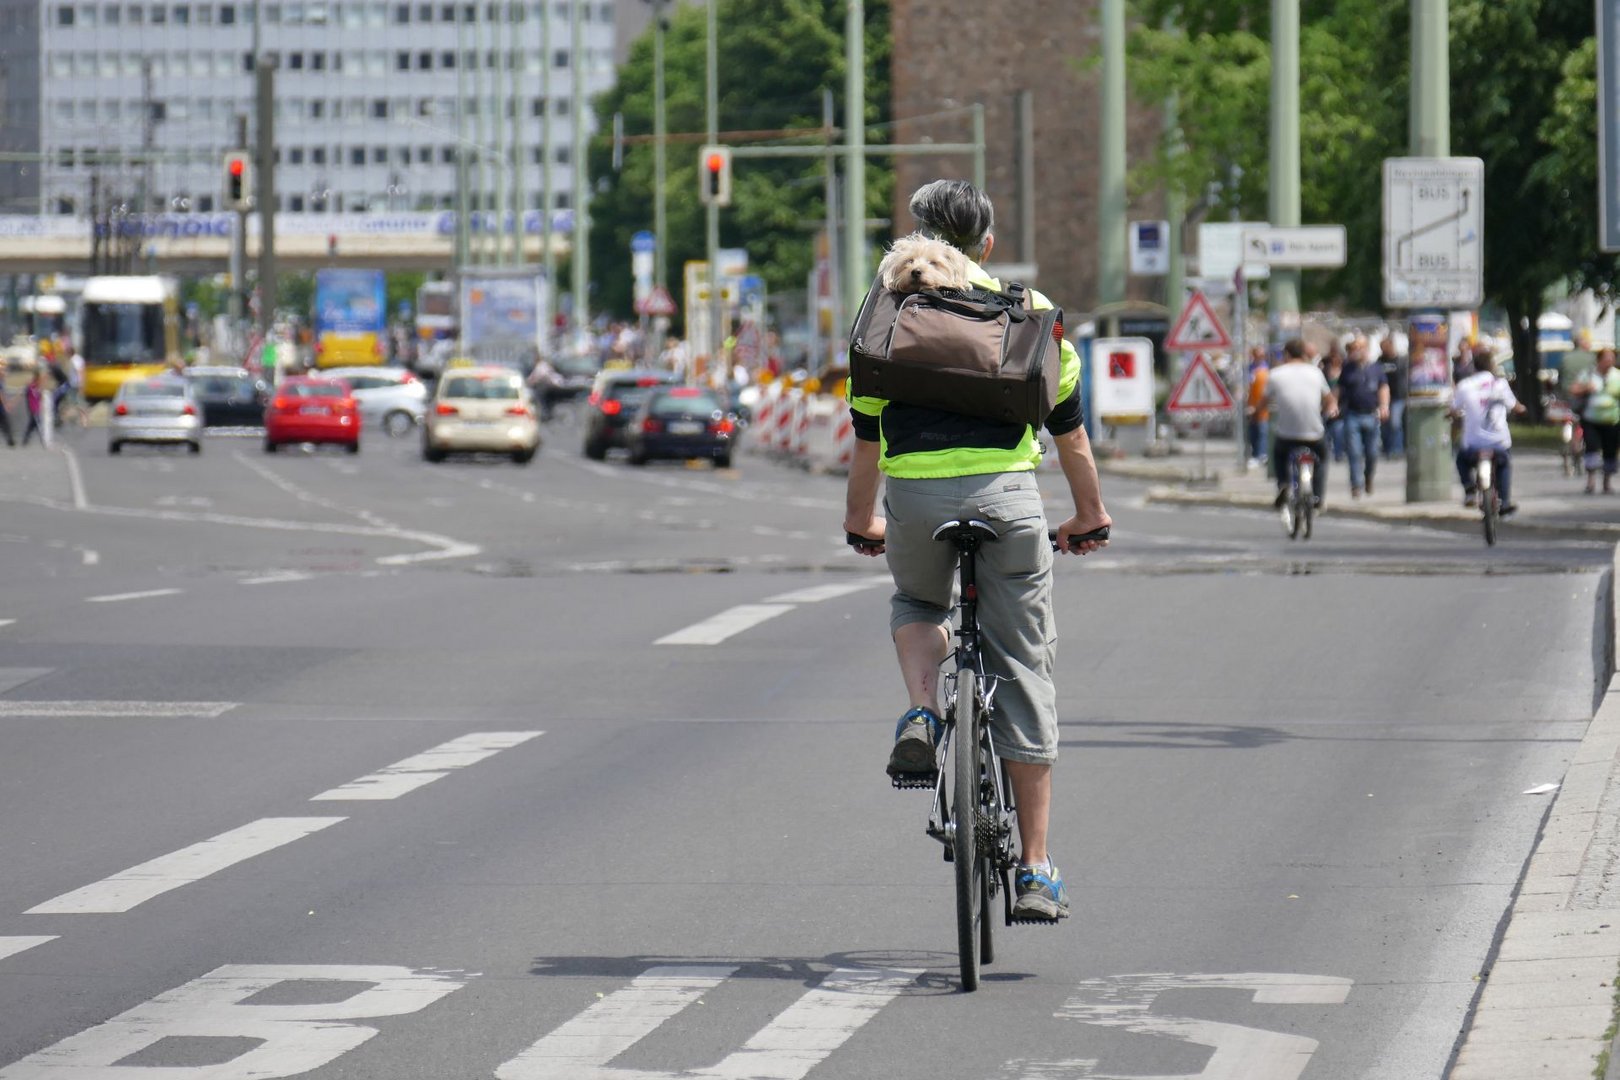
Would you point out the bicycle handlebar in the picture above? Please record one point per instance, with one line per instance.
(1078, 538)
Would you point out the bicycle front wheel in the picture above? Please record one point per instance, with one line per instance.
(1490, 513)
(966, 860)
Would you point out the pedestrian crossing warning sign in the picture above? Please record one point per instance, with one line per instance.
(1198, 329)
(1200, 389)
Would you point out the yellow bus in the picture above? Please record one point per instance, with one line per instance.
(129, 327)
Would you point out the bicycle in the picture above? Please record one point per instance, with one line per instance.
(1488, 493)
(973, 810)
(1299, 508)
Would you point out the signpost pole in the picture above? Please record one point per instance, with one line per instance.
(1240, 353)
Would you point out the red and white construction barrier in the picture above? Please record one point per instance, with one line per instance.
(764, 419)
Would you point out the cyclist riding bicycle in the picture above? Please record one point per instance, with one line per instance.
(1483, 401)
(941, 466)
(1300, 398)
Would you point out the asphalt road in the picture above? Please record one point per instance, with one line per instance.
(359, 767)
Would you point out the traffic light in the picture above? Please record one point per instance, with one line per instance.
(714, 176)
(238, 180)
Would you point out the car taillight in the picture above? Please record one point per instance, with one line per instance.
(612, 407)
(122, 410)
(720, 427)
(594, 400)
(651, 426)
(408, 377)
(445, 410)
(347, 404)
(518, 410)
(189, 410)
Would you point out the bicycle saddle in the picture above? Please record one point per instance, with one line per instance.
(966, 535)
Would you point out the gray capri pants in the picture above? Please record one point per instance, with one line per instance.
(1018, 631)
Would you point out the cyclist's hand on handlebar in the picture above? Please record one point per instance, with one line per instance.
(1082, 536)
(866, 537)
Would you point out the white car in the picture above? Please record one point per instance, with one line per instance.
(390, 399)
(482, 409)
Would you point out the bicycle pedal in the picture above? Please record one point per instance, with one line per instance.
(1022, 921)
(909, 781)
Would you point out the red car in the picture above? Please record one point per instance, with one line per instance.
(311, 409)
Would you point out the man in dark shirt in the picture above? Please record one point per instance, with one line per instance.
(1364, 400)
(1394, 365)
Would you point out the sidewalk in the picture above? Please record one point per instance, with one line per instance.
(1550, 503)
(1548, 1001)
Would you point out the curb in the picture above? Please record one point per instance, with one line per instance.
(1456, 519)
(1548, 999)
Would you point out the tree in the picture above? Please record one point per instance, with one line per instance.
(775, 58)
(1524, 94)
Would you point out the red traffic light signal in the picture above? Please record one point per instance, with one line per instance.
(714, 176)
(238, 180)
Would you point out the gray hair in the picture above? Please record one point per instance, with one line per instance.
(956, 212)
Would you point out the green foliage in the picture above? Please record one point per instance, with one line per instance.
(775, 58)
(401, 286)
(295, 293)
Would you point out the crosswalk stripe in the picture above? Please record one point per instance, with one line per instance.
(424, 768)
(138, 884)
(717, 628)
(11, 946)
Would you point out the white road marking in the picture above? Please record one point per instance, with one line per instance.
(151, 710)
(11, 946)
(91, 558)
(1240, 1053)
(75, 480)
(435, 764)
(7, 622)
(138, 884)
(283, 1039)
(116, 597)
(614, 1024)
(277, 579)
(787, 1048)
(717, 628)
(817, 593)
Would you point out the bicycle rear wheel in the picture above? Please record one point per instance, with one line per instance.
(966, 859)
(1490, 513)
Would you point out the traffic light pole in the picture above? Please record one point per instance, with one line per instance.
(264, 84)
(712, 224)
(239, 253)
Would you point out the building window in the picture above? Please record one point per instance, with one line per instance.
(447, 61)
(182, 14)
(564, 155)
(317, 61)
(424, 155)
(402, 14)
(379, 155)
(64, 205)
(357, 155)
(295, 155)
(559, 59)
(295, 204)
(64, 15)
(563, 105)
(424, 13)
(205, 14)
(160, 15)
(87, 15)
(402, 61)
(424, 61)
(447, 155)
(379, 108)
(317, 109)
(295, 61)
(317, 155)
(227, 14)
(136, 14)
(563, 200)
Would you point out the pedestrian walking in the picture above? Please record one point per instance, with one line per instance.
(1258, 409)
(1363, 407)
(1332, 366)
(1394, 426)
(1602, 420)
(5, 420)
(37, 399)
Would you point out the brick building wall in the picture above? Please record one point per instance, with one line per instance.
(951, 53)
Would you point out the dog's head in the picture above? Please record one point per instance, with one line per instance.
(918, 262)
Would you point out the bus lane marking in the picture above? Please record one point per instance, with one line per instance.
(130, 888)
(406, 776)
(287, 1039)
(11, 946)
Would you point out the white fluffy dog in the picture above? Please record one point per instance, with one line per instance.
(918, 262)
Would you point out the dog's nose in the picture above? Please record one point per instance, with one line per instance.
(916, 275)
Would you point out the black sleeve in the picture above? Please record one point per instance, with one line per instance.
(866, 427)
(1068, 414)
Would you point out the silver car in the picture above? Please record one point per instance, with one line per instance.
(390, 399)
(158, 410)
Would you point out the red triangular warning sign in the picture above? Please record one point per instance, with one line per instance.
(656, 302)
(1200, 389)
(1198, 329)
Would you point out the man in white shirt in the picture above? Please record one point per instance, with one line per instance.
(1299, 396)
(1484, 400)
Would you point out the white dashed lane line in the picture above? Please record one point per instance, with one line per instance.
(138, 884)
(117, 597)
(147, 710)
(421, 770)
(7, 622)
(733, 621)
(277, 579)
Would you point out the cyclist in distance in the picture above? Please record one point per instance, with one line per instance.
(941, 466)
(1300, 397)
(1483, 400)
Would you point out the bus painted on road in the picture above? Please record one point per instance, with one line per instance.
(351, 312)
(129, 327)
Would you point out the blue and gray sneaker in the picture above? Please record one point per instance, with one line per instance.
(915, 737)
(1041, 895)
